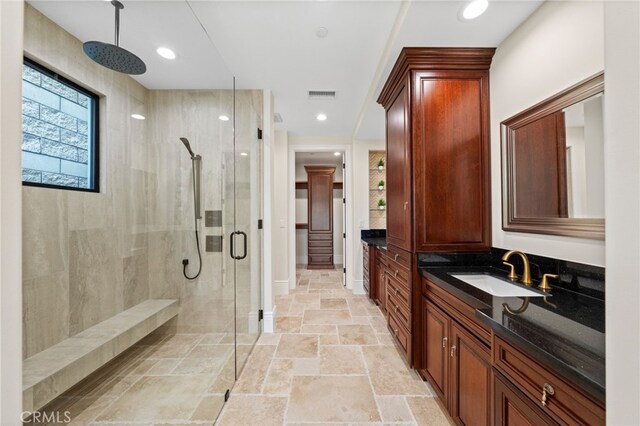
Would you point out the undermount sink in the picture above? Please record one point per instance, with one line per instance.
(495, 286)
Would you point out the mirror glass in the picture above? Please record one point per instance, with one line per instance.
(553, 164)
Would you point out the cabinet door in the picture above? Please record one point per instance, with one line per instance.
(436, 348)
(511, 408)
(381, 289)
(399, 230)
(451, 158)
(470, 363)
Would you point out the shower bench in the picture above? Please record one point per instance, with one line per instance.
(51, 372)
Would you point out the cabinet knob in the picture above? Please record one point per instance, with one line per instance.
(396, 275)
(444, 342)
(547, 391)
(453, 351)
(406, 203)
(396, 308)
(397, 291)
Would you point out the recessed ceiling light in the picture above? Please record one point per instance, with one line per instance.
(321, 117)
(166, 53)
(244, 154)
(337, 154)
(223, 118)
(474, 9)
(138, 116)
(322, 32)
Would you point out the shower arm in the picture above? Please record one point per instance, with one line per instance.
(118, 6)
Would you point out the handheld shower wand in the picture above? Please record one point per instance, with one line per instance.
(196, 167)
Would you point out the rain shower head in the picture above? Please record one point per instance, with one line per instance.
(113, 56)
(185, 141)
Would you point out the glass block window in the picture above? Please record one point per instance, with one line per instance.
(59, 131)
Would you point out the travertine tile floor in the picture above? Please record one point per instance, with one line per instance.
(164, 379)
(332, 361)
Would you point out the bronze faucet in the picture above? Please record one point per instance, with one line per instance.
(526, 273)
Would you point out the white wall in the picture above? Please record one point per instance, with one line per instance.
(11, 18)
(280, 241)
(361, 200)
(622, 197)
(561, 44)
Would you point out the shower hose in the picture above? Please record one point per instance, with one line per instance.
(185, 262)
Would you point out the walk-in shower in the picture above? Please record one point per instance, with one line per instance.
(196, 171)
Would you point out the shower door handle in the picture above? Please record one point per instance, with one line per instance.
(244, 245)
(232, 250)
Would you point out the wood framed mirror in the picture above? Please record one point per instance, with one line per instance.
(553, 164)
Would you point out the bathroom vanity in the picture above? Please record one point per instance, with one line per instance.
(518, 356)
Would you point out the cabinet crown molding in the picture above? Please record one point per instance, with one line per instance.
(434, 58)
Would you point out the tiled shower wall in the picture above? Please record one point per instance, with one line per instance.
(89, 256)
(85, 255)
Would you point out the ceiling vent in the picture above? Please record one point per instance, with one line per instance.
(326, 95)
(277, 118)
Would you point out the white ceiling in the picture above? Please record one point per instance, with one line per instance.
(272, 45)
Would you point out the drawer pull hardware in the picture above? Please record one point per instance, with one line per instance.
(397, 291)
(396, 307)
(396, 273)
(396, 257)
(453, 351)
(547, 390)
(444, 342)
(395, 330)
(406, 203)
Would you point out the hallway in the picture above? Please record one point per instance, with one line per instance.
(332, 361)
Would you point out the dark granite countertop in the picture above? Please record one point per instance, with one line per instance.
(565, 330)
(377, 242)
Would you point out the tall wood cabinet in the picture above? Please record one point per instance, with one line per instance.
(320, 215)
(438, 169)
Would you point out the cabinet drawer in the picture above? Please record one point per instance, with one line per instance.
(399, 291)
(399, 310)
(320, 258)
(401, 335)
(399, 273)
(323, 243)
(567, 405)
(399, 256)
(320, 236)
(320, 250)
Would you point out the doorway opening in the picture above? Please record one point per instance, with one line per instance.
(320, 210)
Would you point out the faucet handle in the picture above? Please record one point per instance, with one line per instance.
(544, 284)
(512, 273)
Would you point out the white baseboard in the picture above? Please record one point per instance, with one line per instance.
(281, 287)
(358, 287)
(269, 321)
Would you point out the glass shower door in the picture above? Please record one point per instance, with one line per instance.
(242, 211)
(248, 200)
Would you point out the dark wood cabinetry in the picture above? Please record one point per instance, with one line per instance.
(458, 366)
(368, 269)
(320, 214)
(511, 408)
(380, 294)
(438, 166)
(399, 229)
(470, 378)
(563, 402)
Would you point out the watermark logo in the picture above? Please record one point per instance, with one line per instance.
(45, 417)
